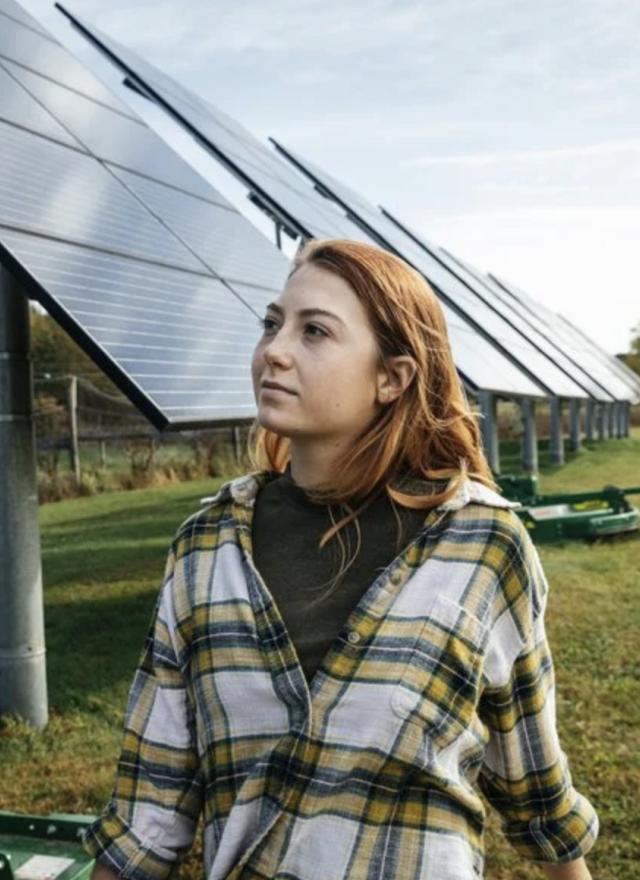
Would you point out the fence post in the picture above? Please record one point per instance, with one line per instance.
(74, 454)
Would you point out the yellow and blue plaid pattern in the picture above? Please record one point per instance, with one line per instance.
(439, 686)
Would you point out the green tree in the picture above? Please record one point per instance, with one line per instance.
(55, 355)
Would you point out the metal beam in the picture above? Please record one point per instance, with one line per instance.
(23, 682)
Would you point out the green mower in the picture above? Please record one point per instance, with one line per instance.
(43, 847)
(572, 515)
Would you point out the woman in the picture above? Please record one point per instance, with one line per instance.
(335, 714)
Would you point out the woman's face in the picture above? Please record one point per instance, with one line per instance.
(328, 362)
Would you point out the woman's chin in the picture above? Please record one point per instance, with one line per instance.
(271, 422)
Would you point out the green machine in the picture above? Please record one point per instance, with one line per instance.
(572, 516)
(43, 847)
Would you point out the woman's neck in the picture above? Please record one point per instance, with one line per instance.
(314, 464)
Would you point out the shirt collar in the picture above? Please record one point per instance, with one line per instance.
(244, 490)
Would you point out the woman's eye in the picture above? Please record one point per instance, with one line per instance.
(265, 323)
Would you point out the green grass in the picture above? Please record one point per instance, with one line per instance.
(103, 559)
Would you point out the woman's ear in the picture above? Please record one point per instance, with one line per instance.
(398, 374)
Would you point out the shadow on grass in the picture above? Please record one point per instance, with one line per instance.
(93, 648)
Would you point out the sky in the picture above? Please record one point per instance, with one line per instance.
(506, 131)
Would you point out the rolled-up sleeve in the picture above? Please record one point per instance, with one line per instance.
(525, 774)
(150, 820)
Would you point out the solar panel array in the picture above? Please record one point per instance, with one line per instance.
(503, 323)
(150, 269)
(481, 363)
(581, 347)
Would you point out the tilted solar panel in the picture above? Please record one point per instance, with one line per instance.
(150, 269)
(509, 311)
(292, 197)
(604, 367)
(460, 296)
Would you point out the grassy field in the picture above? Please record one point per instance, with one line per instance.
(103, 559)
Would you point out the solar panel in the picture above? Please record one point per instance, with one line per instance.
(479, 362)
(629, 376)
(460, 296)
(13, 10)
(287, 194)
(571, 350)
(150, 269)
(516, 317)
(604, 368)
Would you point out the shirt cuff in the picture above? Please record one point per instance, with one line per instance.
(111, 841)
(567, 835)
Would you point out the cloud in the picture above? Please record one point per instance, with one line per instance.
(585, 151)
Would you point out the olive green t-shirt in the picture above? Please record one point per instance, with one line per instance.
(286, 531)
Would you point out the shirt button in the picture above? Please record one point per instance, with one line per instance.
(353, 637)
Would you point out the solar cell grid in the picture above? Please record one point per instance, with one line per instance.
(111, 136)
(33, 51)
(19, 108)
(18, 14)
(178, 338)
(260, 168)
(125, 244)
(44, 188)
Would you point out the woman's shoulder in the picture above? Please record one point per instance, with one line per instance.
(241, 490)
(479, 515)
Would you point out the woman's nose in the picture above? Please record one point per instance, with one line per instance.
(277, 351)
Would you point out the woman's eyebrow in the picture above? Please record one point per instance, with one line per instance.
(306, 313)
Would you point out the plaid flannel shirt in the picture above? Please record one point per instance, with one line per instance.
(439, 684)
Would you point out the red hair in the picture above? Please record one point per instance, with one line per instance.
(428, 431)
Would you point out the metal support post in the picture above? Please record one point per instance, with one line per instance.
(613, 413)
(556, 440)
(529, 451)
(575, 435)
(23, 681)
(74, 452)
(489, 428)
(626, 419)
(590, 420)
(601, 421)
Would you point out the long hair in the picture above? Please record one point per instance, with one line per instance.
(427, 433)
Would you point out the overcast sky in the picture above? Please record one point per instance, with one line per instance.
(506, 131)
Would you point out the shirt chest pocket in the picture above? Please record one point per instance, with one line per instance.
(439, 685)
